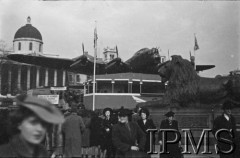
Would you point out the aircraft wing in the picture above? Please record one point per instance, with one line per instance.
(204, 67)
(50, 62)
(81, 64)
(85, 65)
(116, 66)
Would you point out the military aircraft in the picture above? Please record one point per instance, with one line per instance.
(143, 61)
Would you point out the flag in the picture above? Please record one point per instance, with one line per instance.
(95, 37)
(117, 51)
(196, 47)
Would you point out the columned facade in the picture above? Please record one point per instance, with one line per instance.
(46, 77)
(18, 78)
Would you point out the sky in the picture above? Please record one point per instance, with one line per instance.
(132, 25)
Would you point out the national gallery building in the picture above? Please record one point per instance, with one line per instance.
(18, 77)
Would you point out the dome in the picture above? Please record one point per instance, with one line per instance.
(28, 31)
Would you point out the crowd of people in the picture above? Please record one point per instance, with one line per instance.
(117, 133)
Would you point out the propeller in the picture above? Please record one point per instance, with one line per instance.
(83, 48)
(82, 60)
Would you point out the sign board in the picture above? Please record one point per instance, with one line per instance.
(54, 99)
(30, 92)
(58, 88)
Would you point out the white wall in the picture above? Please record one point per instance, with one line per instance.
(25, 45)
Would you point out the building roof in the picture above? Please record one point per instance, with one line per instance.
(130, 76)
(28, 31)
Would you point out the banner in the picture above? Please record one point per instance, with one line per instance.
(54, 99)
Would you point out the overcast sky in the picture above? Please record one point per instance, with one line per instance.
(132, 25)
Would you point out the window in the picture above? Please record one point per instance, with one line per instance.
(19, 46)
(111, 57)
(105, 56)
(30, 46)
(78, 79)
(163, 59)
(70, 78)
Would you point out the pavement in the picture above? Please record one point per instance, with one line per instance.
(199, 155)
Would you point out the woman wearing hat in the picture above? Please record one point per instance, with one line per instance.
(128, 138)
(107, 124)
(173, 149)
(30, 122)
(146, 123)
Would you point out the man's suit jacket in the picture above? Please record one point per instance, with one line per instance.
(222, 123)
(123, 139)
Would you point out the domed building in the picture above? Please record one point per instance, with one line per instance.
(18, 77)
(28, 40)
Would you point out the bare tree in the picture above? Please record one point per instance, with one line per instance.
(4, 51)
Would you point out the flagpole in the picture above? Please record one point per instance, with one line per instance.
(94, 67)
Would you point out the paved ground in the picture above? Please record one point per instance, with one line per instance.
(213, 155)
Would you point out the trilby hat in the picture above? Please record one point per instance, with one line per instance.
(124, 112)
(41, 107)
(169, 114)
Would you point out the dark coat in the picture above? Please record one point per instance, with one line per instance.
(107, 135)
(72, 130)
(86, 133)
(123, 139)
(222, 123)
(17, 148)
(96, 131)
(148, 125)
(173, 149)
(135, 117)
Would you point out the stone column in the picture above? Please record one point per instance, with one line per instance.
(64, 77)
(46, 77)
(37, 77)
(9, 79)
(28, 77)
(19, 77)
(55, 77)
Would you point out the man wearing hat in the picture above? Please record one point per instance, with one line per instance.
(128, 138)
(173, 149)
(72, 129)
(225, 121)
